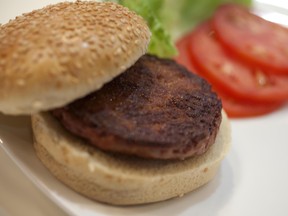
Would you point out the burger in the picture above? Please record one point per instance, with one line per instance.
(110, 121)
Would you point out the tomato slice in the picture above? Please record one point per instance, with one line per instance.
(229, 75)
(255, 41)
(239, 109)
(234, 108)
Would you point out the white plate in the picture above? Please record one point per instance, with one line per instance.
(252, 179)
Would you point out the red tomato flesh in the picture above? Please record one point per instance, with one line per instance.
(253, 40)
(239, 109)
(228, 74)
(182, 58)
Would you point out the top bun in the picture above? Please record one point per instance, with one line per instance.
(52, 56)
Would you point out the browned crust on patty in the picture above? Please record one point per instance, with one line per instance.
(156, 109)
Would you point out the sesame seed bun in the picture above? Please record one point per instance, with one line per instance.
(54, 55)
(118, 179)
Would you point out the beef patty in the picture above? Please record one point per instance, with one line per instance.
(155, 109)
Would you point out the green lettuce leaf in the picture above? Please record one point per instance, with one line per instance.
(161, 43)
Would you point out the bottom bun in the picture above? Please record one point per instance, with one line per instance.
(119, 179)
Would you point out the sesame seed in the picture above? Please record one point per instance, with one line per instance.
(85, 45)
(37, 104)
(113, 7)
(20, 82)
(118, 51)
